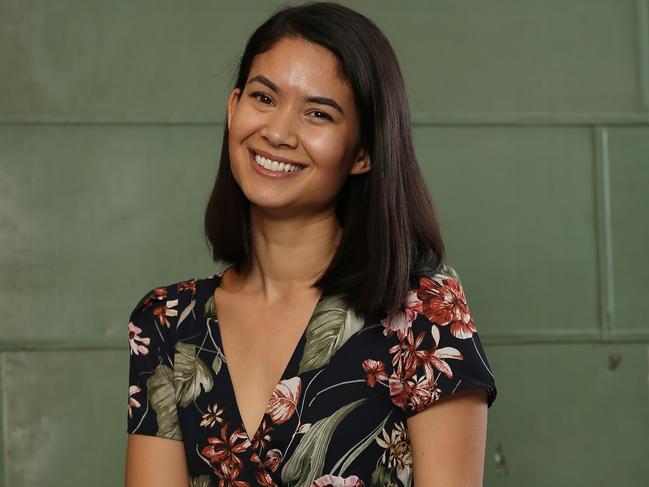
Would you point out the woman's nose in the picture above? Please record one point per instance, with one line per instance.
(279, 128)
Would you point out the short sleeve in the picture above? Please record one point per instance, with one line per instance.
(152, 407)
(435, 350)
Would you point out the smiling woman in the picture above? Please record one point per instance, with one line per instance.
(337, 348)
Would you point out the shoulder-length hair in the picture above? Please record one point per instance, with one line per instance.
(391, 233)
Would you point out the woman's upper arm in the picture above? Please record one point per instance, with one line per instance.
(441, 378)
(155, 450)
(448, 441)
(151, 460)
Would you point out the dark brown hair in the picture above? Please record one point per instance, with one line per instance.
(391, 233)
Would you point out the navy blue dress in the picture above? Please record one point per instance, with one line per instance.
(337, 416)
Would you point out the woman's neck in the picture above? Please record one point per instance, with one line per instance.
(288, 255)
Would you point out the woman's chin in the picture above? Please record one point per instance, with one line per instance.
(272, 204)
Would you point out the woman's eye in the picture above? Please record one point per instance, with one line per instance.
(261, 97)
(257, 94)
(325, 115)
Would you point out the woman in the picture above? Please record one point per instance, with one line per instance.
(337, 348)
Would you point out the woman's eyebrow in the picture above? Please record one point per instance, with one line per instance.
(322, 100)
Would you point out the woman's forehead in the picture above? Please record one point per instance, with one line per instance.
(301, 66)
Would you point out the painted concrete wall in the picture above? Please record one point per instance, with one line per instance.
(531, 123)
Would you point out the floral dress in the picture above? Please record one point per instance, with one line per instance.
(337, 417)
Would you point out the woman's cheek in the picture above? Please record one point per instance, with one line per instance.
(245, 121)
(327, 153)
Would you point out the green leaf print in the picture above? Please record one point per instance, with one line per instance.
(190, 372)
(404, 474)
(447, 272)
(202, 481)
(353, 454)
(209, 310)
(162, 398)
(307, 461)
(216, 364)
(185, 313)
(331, 326)
(382, 477)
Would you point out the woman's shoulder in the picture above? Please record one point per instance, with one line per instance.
(164, 302)
(440, 298)
(435, 295)
(433, 343)
(432, 268)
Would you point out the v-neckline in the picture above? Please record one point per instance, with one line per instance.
(289, 365)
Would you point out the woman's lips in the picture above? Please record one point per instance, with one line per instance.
(267, 172)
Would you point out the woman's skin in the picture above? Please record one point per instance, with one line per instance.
(294, 236)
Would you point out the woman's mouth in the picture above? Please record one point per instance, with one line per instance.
(274, 169)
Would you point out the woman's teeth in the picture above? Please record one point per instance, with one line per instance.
(276, 166)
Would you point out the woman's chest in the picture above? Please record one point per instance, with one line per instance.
(323, 416)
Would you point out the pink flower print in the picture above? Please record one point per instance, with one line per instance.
(415, 393)
(134, 337)
(375, 371)
(222, 454)
(435, 357)
(263, 478)
(262, 436)
(401, 320)
(424, 392)
(397, 453)
(167, 310)
(263, 469)
(283, 403)
(212, 416)
(406, 356)
(334, 481)
(132, 402)
(189, 285)
(273, 459)
(444, 302)
(158, 294)
(400, 392)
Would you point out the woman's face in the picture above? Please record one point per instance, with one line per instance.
(278, 114)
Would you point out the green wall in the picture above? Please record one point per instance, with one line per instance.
(531, 123)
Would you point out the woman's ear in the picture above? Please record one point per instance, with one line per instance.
(362, 163)
(233, 99)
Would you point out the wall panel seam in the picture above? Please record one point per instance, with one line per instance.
(4, 476)
(648, 371)
(604, 238)
(640, 118)
(505, 336)
(642, 44)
